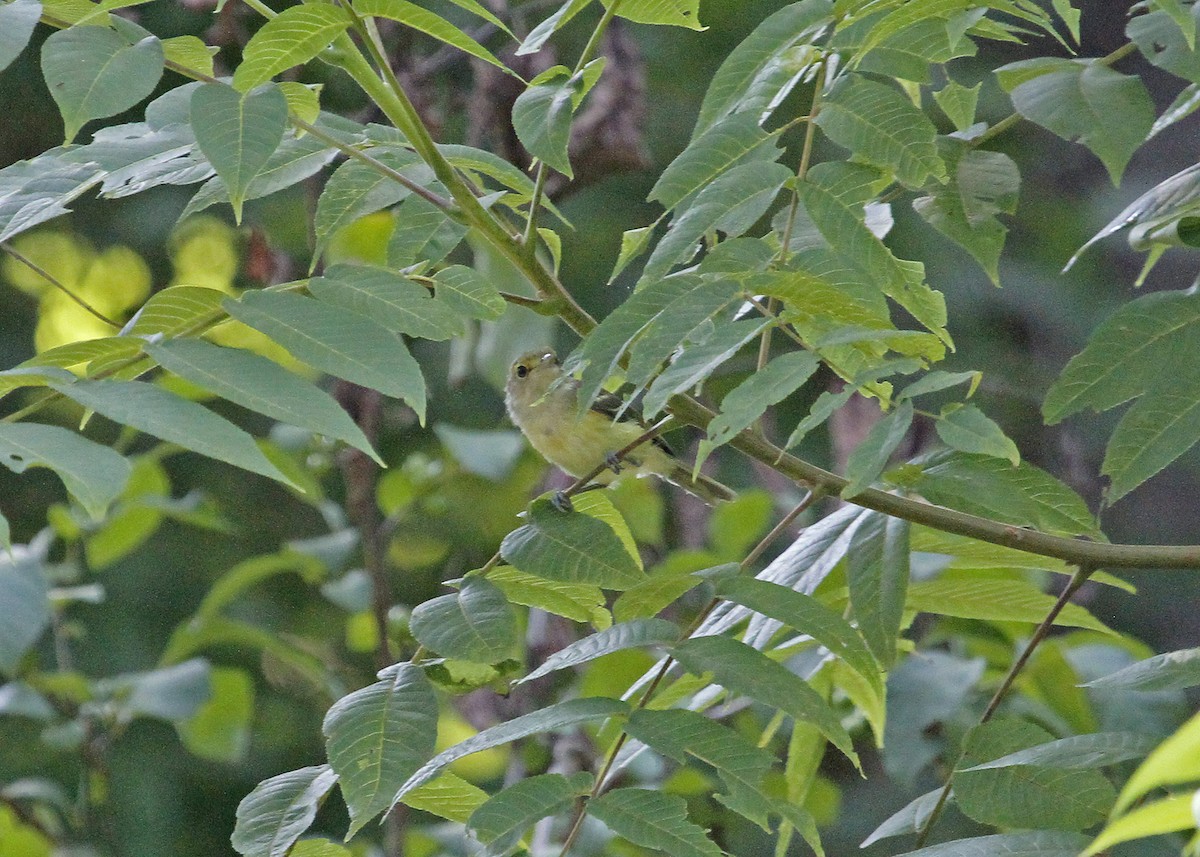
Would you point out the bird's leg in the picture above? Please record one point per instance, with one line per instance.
(614, 462)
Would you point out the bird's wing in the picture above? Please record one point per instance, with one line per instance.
(614, 407)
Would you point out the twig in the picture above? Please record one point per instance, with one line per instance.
(1082, 573)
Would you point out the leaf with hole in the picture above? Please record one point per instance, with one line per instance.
(94, 475)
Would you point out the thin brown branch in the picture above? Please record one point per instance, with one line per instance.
(1082, 573)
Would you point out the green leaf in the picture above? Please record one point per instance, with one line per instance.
(883, 128)
(447, 796)
(1038, 843)
(541, 117)
(336, 341)
(173, 693)
(809, 616)
(571, 547)
(699, 360)
(234, 582)
(634, 242)
(1161, 426)
(1169, 671)
(238, 133)
(1077, 752)
(423, 233)
(731, 203)
(1167, 815)
(378, 736)
(291, 38)
(1165, 41)
(17, 20)
(542, 32)
(833, 195)
(678, 321)
(1125, 355)
(319, 848)
(749, 400)
(911, 818)
(476, 8)
(654, 594)
(220, 730)
(938, 380)
(42, 194)
(1026, 796)
(191, 52)
(559, 716)
(394, 301)
(878, 574)
(735, 140)
(95, 72)
(685, 735)
(581, 602)
(475, 624)
(164, 415)
(94, 475)
(431, 24)
(821, 410)
(967, 429)
(970, 597)
(653, 820)
(766, 65)
(871, 456)
(272, 817)
(25, 602)
(356, 189)
(746, 671)
(1024, 495)
(1175, 761)
(503, 820)
(467, 291)
(599, 353)
(296, 159)
(598, 505)
(677, 13)
(626, 635)
(261, 385)
(982, 185)
(1107, 111)
(173, 311)
(958, 103)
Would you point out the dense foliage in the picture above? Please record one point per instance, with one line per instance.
(609, 680)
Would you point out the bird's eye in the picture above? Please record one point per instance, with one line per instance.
(522, 370)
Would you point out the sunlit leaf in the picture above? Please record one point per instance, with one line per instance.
(294, 36)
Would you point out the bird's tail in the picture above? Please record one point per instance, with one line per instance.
(709, 490)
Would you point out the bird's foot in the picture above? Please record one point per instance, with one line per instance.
(562, 502)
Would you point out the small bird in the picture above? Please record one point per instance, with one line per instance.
(548, 414)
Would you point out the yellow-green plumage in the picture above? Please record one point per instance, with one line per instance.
(543, 405)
